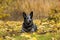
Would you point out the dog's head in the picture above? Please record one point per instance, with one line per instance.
(28, 18)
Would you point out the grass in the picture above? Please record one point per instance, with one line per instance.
(10, 30)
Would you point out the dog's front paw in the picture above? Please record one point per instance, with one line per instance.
(22, 31)
(32, 30)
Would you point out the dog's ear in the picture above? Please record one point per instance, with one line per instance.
(24, 14)
(31, 14)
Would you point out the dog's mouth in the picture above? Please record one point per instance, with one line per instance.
(28, 23)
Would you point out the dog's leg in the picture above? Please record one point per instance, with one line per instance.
(22, 31)
(32, 30)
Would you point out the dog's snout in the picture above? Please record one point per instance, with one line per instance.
(29, 20)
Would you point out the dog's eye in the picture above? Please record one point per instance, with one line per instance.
(24, 18)
(30, 17)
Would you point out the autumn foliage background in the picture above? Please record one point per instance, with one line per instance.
(46, 17)
(12, 9)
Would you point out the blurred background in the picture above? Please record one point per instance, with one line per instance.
(46, 17)
(12, 9)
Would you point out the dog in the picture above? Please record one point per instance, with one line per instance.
(28, 25)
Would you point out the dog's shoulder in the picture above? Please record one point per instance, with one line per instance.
(34, 25)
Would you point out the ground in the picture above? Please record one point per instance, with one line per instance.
(47, 30)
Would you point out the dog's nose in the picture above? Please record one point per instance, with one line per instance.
(29, 20)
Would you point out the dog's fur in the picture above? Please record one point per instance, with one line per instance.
(28, 25)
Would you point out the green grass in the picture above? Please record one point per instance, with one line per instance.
(47, 36)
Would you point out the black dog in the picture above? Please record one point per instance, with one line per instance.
(28, 25)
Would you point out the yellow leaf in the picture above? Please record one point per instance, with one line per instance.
(34, 38)
(1, 39)
(26, 35)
